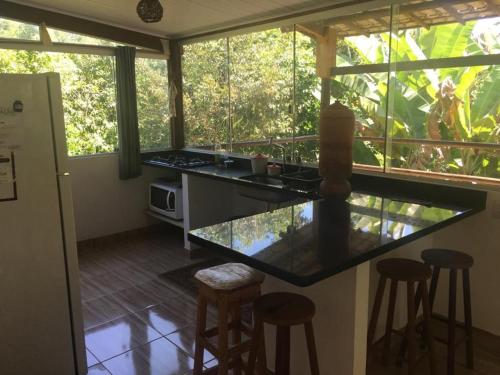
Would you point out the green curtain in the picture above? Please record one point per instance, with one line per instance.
(128, 127)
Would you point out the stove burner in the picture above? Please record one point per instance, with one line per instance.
(180, 161)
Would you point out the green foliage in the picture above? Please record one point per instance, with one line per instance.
(17, 30)
(152, 103)
(206, 93)
(261, 72)
(89, 102)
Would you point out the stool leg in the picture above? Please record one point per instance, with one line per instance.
(390, 322)
(236, 313)
(201, 322)
(222, 342)
(282, 364)
(256, 347)
(452, 307)
(261, 354)
(468, 319)
(404, 342)
(375, 313)
(427, 325)
(311, 348)
(433, 288)
(411, 334)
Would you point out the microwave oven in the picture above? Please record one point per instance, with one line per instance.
(165, 198)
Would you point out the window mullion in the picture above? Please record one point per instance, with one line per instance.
(391, 87)
(229, 109)
(403, 66)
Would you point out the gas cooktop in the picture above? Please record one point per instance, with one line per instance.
(179, 161)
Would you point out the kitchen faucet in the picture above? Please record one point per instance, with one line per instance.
(283, 151)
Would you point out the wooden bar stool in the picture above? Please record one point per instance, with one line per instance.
(411, 272)
(283, 310)
(453, 261)
(228, 287)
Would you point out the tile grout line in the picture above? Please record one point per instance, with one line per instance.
(135, 347)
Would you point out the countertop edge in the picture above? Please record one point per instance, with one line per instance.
(322, 275)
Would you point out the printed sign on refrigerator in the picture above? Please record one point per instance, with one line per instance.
(6, 168)
(10, 131)
(8, 189)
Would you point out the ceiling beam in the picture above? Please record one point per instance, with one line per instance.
(78, 25)
(454, 13)
(311, 30)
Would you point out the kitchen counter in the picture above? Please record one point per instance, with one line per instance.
(308, 242)
(319, 248)
(234, 174)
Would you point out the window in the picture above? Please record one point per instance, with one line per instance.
(446, 119)
(152, 103)
(206, 94)
(422, 79)
(88, 89)
(364, 93)
(261, 77)
(60, 36)
(17, 30)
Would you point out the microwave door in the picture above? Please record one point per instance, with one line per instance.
(171, 201)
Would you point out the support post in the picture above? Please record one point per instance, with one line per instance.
(326, 56)
(175, 81)
(325, 93)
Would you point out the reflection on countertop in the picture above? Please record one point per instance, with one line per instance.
(305, 243)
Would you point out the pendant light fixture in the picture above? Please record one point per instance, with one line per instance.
(150, 11)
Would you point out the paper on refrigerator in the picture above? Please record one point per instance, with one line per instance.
(6, 166)
(7, 177)
(11, 131)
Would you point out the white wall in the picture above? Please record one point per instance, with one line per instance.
(103, 203)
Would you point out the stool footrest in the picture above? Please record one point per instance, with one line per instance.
(208, 346)
(237, 349)
(231, 326)
(443, 318)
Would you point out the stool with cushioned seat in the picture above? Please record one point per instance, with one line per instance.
(228, 287)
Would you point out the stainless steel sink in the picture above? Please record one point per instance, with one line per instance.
(263, 179)
(305, 176)
(254, 192)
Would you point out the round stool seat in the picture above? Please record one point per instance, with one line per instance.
(229, 276)
(404, 269)
(445, 258)
(284, 309)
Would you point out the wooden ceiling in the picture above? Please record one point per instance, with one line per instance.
(417, 13)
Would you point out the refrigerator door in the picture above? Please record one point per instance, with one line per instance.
(37, 322)
(67, 217)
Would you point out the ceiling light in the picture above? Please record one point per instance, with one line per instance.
(150, 10)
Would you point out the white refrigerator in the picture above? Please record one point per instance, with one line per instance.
(41, 329)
